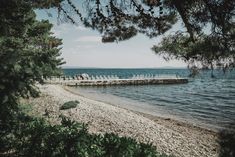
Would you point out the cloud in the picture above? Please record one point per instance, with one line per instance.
(89, 39)
(62, 29)
(59, 30)
(85, 46)
(71, 50)
(81, 28)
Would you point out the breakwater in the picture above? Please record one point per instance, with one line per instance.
(85, 80)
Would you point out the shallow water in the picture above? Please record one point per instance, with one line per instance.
(205, 101)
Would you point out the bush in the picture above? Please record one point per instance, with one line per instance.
(35, 137)
(69, 104)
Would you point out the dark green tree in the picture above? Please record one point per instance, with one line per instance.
(206, 51)
(28, 52)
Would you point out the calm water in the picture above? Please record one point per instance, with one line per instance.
(204, 101)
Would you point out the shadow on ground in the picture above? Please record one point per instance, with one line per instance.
(227, 142)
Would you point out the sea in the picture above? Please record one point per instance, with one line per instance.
(204, 101)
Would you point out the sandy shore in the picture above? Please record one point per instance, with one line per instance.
(169, 136)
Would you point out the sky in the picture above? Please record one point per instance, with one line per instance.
(82, 47)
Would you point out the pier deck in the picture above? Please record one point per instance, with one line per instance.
(109, 82)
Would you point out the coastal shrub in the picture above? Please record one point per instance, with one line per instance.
(124, 146)
(69, 104)
(35, 137)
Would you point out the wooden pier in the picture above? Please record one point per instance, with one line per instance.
(109, 82)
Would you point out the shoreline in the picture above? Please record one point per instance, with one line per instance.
(169, 136)
(168, 121)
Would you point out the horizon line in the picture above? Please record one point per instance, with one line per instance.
(164, 67)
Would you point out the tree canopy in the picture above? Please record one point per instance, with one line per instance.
(207, 36)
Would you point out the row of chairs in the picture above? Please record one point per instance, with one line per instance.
(112, 77)
(151, 76)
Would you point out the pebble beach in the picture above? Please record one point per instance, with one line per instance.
(168, 135)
